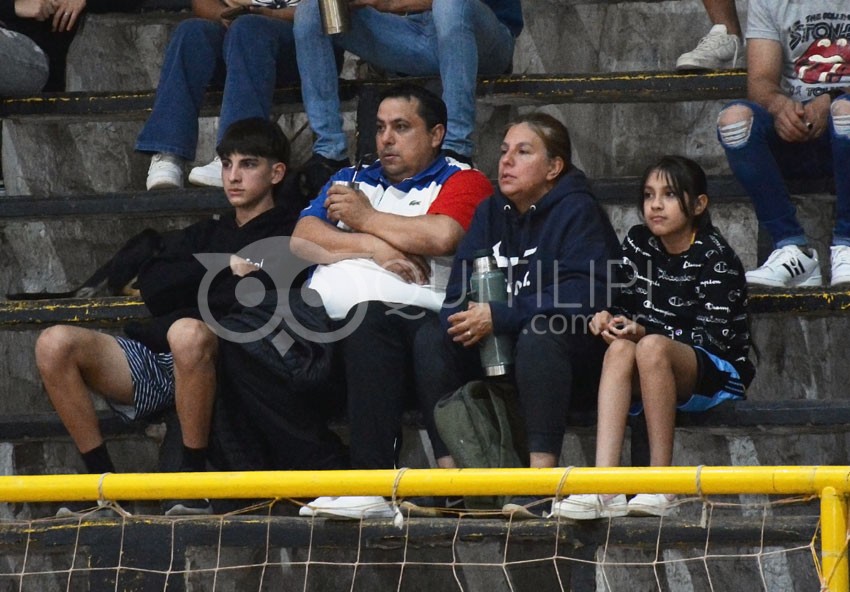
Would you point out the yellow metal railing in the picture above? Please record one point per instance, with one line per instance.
(830, 483)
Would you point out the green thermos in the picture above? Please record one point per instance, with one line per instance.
(488, 284)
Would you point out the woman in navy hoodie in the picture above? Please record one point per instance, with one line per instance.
(554, 242)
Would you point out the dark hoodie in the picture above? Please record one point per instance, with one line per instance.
(555, 256)
(170, 281)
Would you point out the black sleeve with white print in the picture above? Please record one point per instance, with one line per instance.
(697, 297)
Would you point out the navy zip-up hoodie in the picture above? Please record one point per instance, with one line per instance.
(556, 255)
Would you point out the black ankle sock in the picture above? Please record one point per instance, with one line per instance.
(97, 460)
(194, 460)
(805, 249)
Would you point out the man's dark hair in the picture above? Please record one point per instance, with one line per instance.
(431, 109)
(255, 137)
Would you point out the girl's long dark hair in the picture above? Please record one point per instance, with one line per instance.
(688, 181)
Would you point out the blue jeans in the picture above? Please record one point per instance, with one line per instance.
(446, 40)
(764, 160)
(250, 58)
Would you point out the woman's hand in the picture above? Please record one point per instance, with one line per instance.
(470, 326)
(67, 13)
(39, 10)
(600, 321)
(620, 327)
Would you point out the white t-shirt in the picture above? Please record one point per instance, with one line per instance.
(815, 39)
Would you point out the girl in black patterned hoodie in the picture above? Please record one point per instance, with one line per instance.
(677, 334)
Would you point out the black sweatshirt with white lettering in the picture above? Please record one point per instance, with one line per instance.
(697, 297)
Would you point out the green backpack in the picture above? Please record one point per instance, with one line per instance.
(482, 428)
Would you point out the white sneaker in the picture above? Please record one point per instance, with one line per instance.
(165, 172)
(787, 267)
(354, 506)
(840, 258)
(589, 506)
(208, 175)
(651, 504)
(715, 50)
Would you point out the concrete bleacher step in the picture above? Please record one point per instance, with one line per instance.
(83, 153)
(56, 253)
(90, 138)
(55, 243)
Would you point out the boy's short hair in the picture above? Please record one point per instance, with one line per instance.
(255, 137)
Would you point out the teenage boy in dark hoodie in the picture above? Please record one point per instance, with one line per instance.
(171, 360)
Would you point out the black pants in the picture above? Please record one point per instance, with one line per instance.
(557, 364)
(262, 422)
(389, 367)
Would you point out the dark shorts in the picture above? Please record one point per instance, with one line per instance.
(717, 381)
(153, 381)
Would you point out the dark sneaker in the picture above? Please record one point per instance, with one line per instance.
(187, 507)
(315, 173)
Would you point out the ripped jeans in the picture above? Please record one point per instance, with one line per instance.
(761, 160)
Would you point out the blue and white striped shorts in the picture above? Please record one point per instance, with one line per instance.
(153, 380)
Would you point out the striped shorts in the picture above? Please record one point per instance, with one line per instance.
(153, 381)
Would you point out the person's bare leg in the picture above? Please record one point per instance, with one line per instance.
(542, 460)
(724, 12)
(195, 349)
(446, 462)
(73, 362)
(615, 397)
(668, 373)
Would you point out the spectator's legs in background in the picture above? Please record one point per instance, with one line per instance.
(258, 55)
(192, 61)
(840, 137)
(723, 46)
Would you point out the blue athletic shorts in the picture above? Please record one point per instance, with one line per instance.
(153, 381)
(717, 381)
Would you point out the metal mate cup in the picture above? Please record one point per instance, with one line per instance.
(350, 184)
(335, 16)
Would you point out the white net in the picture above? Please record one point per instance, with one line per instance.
(708, 544)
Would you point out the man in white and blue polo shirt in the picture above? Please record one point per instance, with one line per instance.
(383, 250)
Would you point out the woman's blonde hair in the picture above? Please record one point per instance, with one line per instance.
(556, 138)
